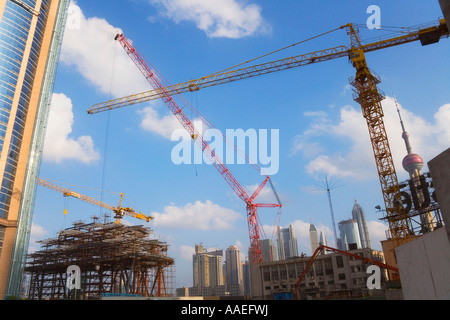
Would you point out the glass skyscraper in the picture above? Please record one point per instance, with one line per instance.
(350, 234)
(31, 34)
(358, 215)
(287, 243)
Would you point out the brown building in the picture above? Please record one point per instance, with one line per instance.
(30, 40)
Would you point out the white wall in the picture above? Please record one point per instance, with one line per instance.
(424, 265)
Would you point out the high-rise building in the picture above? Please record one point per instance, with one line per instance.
(234, 272)
(31, 34)
(358, 215)
(349, 234)
(313, 238)
(323, 241)
(207, 268)
(216, 277)
(269, 252)
(200, 267)
(287, 243)
(246, 275)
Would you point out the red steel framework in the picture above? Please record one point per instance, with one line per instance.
(252, 217)
(322, 248)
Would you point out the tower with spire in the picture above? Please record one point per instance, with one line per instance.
(358, 215)
(313, 238)
(413, 164)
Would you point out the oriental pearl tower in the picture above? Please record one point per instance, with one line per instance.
(413, 164)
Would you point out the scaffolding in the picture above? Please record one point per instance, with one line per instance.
(113, 259)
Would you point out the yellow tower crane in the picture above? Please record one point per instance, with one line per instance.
(119, 211)
(366, 94)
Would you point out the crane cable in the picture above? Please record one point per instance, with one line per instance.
(245, 62)
(108, 122)
(278, 50)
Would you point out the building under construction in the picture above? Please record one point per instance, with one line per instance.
(112, 259)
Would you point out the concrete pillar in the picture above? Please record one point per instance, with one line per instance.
(440, 173)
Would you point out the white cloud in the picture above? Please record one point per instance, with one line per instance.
(163, 126)
(349, 152)
(197, 216)
(377, 233)
(319, 125)
(59, 146)
(90, 47)
(225, 18)
(37, 233)
(186, 252)
(266, 195)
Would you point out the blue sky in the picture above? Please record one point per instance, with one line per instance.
(321, 129)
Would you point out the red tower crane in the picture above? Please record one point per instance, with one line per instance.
(157, 83)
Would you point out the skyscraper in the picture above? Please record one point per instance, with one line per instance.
(31, 34)
(207, 268)
(269, 252)
(215, 268)
(287, 243)
(358, 215)
(313, 238)
(349, 235)
(234, 271)
(200, 267)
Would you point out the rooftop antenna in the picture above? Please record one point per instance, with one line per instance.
(328, 186)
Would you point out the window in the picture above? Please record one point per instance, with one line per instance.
(318, 267)
(266, 274)
(339, 261)
(275, 276)
(283, 273)
(356, 269)
(291, 271)
(300, 268)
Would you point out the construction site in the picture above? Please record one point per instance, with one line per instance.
(103, 259)
(115, 259)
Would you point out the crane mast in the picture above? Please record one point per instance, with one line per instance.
(369, 97)
(251, 207)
